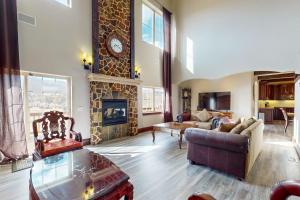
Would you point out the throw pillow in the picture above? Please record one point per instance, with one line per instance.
(249, 122)
(238, 129)
(226, 127)
(204, 115)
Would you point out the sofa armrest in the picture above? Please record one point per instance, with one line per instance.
(215, 139)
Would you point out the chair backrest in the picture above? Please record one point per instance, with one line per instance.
(53, 125)
(284, 114)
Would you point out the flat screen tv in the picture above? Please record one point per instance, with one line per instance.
(214, 101)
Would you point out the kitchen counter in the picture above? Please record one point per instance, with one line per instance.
(274, 113)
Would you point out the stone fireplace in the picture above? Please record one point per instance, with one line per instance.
(108, 93)
(112, 82)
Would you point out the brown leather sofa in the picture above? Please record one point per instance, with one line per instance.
(188, 118)
(231, 153)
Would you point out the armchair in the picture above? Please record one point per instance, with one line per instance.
(52, 138)
(283, 190)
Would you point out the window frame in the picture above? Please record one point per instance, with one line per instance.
(25, 90)
(68, 3)
(153, 112)
(156, 11)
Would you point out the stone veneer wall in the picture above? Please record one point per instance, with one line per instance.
(114, 16)
(99, 91)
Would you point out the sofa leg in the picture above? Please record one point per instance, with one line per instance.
(192, 162)
(241, 179)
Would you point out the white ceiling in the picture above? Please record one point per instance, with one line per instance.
(215, 38)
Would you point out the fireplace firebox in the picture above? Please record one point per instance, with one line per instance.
(114, 111)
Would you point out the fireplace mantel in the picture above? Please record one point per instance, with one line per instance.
(93, 77)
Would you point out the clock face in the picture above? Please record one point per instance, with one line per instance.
(116, 45)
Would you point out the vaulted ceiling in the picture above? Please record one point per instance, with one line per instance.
(215, 38)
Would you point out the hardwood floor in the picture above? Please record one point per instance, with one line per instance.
(161, 172)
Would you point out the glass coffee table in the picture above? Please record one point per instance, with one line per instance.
(178, 127)
(78, 175)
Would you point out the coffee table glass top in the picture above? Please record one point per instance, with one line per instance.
(79, 174)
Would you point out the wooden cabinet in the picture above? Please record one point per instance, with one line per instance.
(268, 112)
(276, 92)
(286, 92)
(266, 92)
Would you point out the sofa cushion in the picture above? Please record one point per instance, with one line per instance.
(204, 115)
(204, 125)
(194, 117)
(60, 146)
(238, 129)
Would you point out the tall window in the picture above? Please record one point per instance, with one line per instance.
(67, 3)
(152, 99)
(42, 93)
(152, 26)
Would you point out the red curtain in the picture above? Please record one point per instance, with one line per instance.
(12, 130)
(167, 81)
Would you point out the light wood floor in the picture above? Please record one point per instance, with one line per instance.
(161, 172)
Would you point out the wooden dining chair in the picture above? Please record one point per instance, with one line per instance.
(288, 117)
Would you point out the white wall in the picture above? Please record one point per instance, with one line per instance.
(235, 36)
(240, 86)
(297, 112)
(54, 46)
(149, 58)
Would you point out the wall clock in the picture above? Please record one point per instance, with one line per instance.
(116, 45)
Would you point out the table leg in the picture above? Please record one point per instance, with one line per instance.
(172, 132)
(153, 135)
(180, 139)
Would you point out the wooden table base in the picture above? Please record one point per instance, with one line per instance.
(180, 135)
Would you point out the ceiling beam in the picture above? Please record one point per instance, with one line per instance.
(259, 73)
(277, 76)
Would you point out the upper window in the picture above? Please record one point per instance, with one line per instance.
(152, 99)
(65, 2)
(152, 26)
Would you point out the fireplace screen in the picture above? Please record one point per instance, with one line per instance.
(114, 111)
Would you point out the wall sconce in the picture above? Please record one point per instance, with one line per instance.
(137, 72)
(87, 61)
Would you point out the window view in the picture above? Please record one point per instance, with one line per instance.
(152, 26)
(42, 93)
(152, 100)
(65, 2)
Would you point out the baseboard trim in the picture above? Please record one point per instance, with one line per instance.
(86, 141)
(145, 129)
